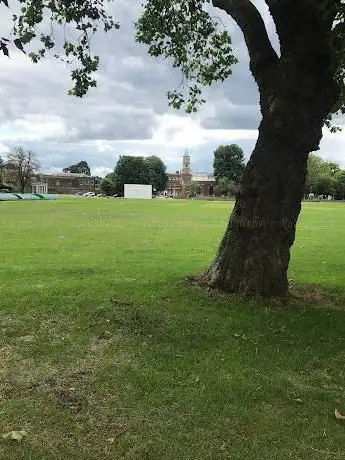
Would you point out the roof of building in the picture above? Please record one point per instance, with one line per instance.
(64, 174)
(197, 177)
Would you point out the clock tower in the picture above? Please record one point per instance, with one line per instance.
(186, 172)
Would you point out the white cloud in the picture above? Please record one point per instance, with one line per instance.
(3, 148)
(101, 171)
(133, 62)
(332, 147)
(185, 132)
(177, 131)
(103, 146)
(41, 126)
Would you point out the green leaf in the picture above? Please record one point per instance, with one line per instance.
(4, 49)
(184, 33)
(18, 44)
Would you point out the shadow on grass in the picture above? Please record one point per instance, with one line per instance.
(194, 321)
(300, 295)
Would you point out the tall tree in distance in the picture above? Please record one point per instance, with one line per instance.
(23, 164)
(2, 166)
(228, 163)
(315, 167)
(225, 187)
(107, 185)
(300, 87)
(325, 185)
(130, 170)
(135, 170)
(82, 168)
(321, 175)
(339, 187)
(158, 177)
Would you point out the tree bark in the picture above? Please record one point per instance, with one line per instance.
(254, 254)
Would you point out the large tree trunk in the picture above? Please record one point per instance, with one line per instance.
(254, 254)
(253, 257)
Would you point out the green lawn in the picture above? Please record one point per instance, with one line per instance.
(107, 354)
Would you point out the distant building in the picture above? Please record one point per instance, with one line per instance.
(174, 185)
(64, 183)
(205, 183)
(179, 181)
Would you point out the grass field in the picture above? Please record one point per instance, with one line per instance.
(107, 354)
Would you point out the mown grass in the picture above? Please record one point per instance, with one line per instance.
(106, 353)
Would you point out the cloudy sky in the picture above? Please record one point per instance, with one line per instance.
(128, 112)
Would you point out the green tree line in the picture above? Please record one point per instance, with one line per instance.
(228, 168)
(135, 170)
(325, 178)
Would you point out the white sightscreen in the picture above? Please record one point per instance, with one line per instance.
(139, 191)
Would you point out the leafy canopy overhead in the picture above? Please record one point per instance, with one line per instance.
(179, 30)
(85, 16)
(183, 31)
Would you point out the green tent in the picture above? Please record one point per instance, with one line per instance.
(27, 196)
(8, 197)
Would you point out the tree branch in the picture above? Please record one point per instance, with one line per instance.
(261, 52)
(290, 20)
